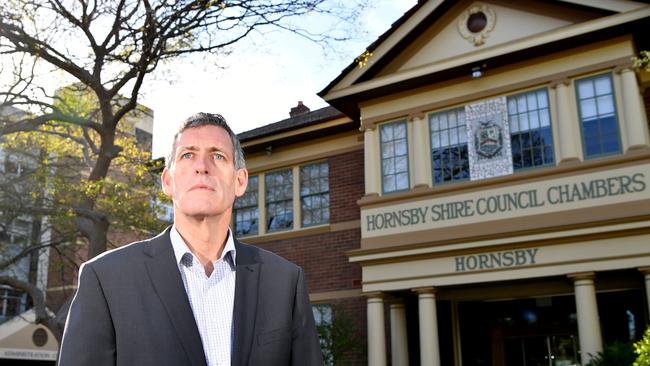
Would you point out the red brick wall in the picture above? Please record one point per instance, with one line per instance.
(346, 186)
(322, 256)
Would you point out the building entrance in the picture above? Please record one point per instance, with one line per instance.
(531, 332)
(545, 350)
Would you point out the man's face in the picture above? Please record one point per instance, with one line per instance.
(202, 180)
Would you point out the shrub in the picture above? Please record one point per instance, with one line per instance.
(614, 354)
(642, 349)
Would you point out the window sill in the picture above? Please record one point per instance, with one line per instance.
(286, 234)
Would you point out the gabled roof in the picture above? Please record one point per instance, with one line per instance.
(311, 125)
(303, 120)
(386, 72)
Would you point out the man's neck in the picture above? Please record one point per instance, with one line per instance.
(205, 237)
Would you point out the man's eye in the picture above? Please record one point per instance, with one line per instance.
(218, 157)
(187, 155)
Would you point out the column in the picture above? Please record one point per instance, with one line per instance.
(429, 347)
(591, 341)
(420, 156)
(646, 273)
(633, 112)
(398, 337)
(566, 123)
(371, 159)
(376, 330)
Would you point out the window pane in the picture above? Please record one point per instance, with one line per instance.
(402, 181)
(588, 108)
(401, 164)
(544, 118)
(452, 120)
(521, 104)
(542, 99)
(534, 120)
(388, 166)
(443, 122)
(279, 200)
(524, 123)
(530, 131)
(314, 181)
(598, 119)
(514, 123)
(603, 85)
(400, 148)
(434, 122)
(447, 160)
(387, 150)
(389, 183)
(394, 154)
(585, 89)
(435, 139)
(400, 131)
(246, 209)
(605, 105)
(512, 106)
(453, 138)
(532, 101)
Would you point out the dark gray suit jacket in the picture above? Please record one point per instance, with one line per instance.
(131, 308)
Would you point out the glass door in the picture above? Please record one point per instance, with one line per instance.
(549, 350)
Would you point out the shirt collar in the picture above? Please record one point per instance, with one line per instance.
(181, 248)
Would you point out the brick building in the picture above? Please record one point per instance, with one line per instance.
(305, 178)
(505, 218)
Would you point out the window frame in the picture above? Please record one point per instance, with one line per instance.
(381, 156)
(616, 115)
(328, 192)
(266, 202)
(433, 172)
(550, 126)
(256, 206)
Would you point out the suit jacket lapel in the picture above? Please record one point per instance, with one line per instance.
(245, 309)
(167, 282)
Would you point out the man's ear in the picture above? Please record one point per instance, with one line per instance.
(166, 180)
(241, 177)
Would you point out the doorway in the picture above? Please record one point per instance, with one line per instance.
(544, 350)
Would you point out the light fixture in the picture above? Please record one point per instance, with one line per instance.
(476, 72)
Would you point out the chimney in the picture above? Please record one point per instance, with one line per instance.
(298, 110)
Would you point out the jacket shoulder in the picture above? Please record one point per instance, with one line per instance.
(125, 255)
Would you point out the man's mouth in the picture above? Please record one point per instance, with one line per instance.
(201, 187)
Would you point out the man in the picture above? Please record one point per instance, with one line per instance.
(193, 295)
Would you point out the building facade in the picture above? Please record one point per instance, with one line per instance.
(301, 203)
(506, 211)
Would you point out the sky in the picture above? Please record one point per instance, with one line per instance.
(260, 80)
(256, 84)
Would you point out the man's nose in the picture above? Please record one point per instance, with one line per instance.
(201, 167)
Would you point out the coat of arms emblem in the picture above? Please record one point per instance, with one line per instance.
(488, 139)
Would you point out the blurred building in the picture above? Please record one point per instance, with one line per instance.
(22, 342)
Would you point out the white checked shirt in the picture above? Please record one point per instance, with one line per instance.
(211, 298)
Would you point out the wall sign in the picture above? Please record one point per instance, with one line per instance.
(553, 195)
(488, 139)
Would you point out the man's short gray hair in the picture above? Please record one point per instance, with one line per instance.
(208, 119)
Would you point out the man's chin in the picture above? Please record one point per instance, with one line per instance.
(201, 213)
